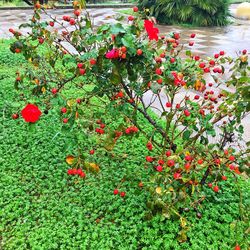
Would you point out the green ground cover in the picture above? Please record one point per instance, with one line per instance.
(44, 208)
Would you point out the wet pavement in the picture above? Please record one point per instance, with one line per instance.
(208, 41)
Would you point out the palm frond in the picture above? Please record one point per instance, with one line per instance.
(196, 12)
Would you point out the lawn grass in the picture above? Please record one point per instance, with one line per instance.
(44, 208)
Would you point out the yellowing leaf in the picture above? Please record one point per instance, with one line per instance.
(193, 189)
(37, 81)
(43, 90)
(182, 236)
(95, 167)
(183, 222)
(92, 167)
(243, 58)
(158, 190)
(165, 213)
(70, 159)
(199, 85)
(180, 75)
(82, 4)
(71, 102)
(109, 142)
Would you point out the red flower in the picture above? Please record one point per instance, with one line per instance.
(112, 54)
(159, 168)
(31, 113)
(116, 191)
(149, 146)
(70, 171)
(177, 176)
(151, 30)
(122, 194)
(79, 171)
(82, 175)
(170, 163)
(149, 159)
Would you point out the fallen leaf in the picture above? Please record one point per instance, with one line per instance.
(70, 159)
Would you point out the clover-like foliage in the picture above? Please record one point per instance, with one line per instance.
(128, 70)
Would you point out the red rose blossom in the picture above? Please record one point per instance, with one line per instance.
(151, 30)
(112, 54)
(31, 113)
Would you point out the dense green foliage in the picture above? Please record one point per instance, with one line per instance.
(195, 12)
(43, 208)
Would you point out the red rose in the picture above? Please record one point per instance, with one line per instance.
(112, 54)
(31, 113)
(151, 30)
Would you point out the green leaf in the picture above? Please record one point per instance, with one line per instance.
(244, 79)
(117, 28)
(186, 135)
(32, 127)
(128, 41)
(188, 53)
(24, 25)
(155, 87)
(104, 27)
(115, 77)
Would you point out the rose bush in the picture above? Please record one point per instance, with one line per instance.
(132, 70)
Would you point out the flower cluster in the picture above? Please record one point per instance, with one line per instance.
(112, 54)
(131, 130)
(116, 192)
(100, 130)
(75, 171)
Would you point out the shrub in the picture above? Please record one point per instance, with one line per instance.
(116, 66)
(195, 12)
